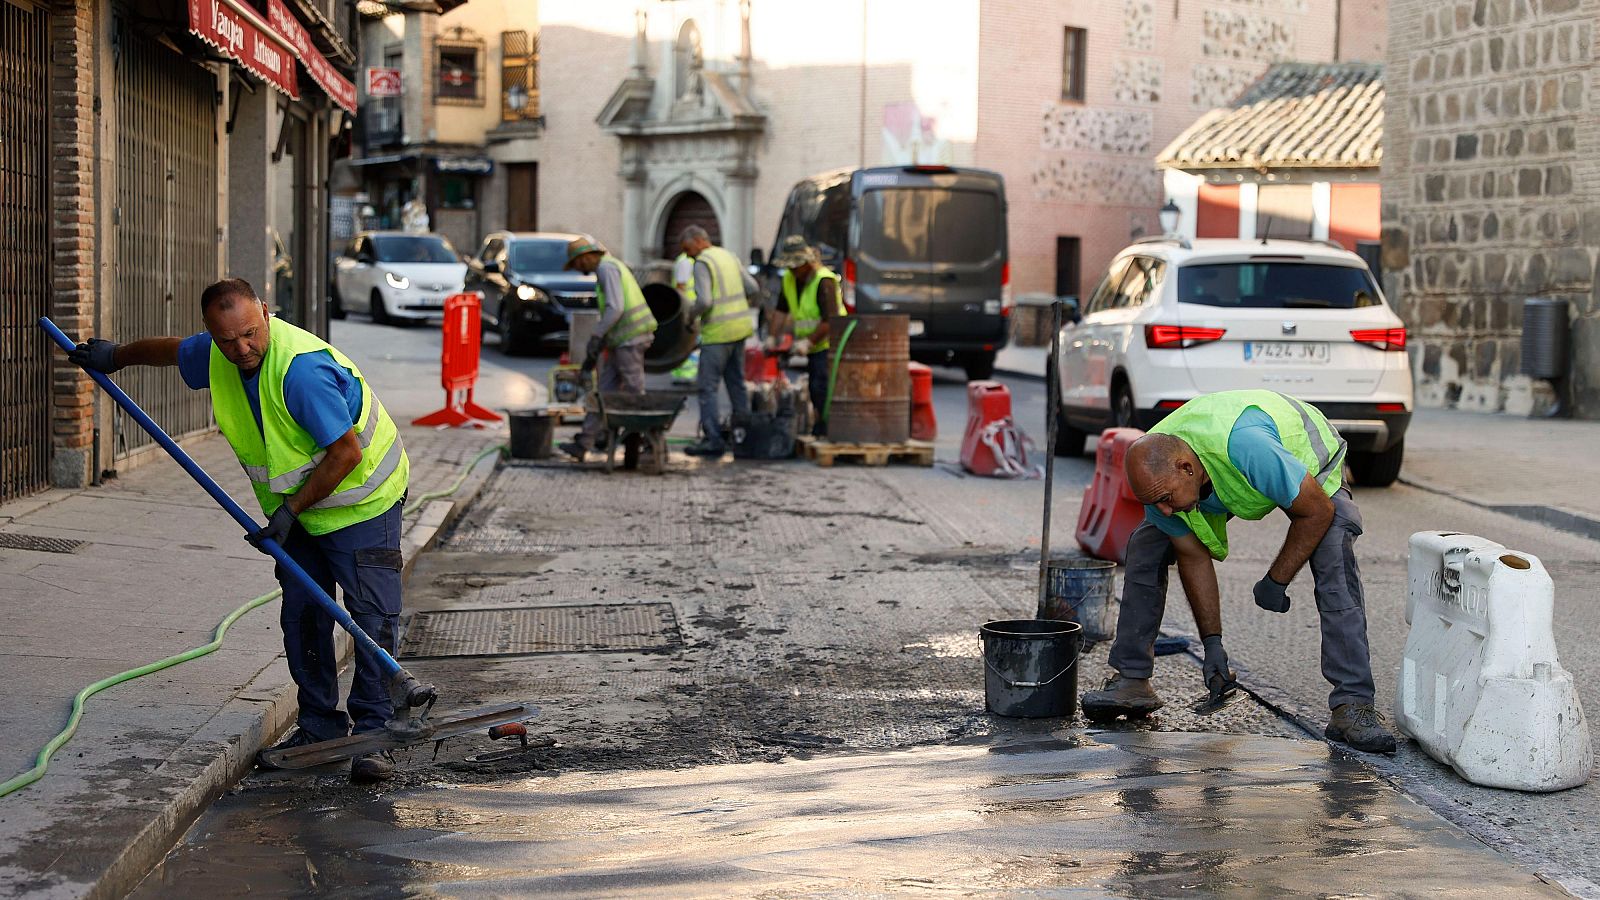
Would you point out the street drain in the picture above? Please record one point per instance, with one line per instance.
(529, 630)
(13, 541)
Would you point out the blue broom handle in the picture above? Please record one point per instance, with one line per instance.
(363, 640)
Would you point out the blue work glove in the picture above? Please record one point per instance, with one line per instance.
(1216, 660)
(1272, 596)
(277, 527)
(96, 354)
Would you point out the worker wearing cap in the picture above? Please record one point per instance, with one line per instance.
(809, 305)
(620, 338)
(721, 313)
(329, 470)
(1244, 454)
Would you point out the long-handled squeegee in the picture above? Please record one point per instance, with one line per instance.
(408, 687)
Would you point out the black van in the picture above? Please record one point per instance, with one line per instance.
(927, 241)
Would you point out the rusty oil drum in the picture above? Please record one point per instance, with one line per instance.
(872, 393)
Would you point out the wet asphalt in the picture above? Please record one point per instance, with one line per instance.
(815, 723)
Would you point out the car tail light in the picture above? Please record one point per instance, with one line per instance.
(1169, 404)
(848, 291)
(1382, 338)
(1391, 407)
(1007, 301)
(1179, 337)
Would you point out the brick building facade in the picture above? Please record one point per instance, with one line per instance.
(1490, 188)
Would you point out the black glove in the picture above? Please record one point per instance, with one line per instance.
(277, 528)
(591, 356)
(1272, 596)
(96, 354)
(1216, 660)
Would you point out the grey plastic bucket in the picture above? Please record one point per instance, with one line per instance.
(1030, 667)
(532, 433)
(1082, 590)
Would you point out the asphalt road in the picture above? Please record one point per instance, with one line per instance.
(833, 610)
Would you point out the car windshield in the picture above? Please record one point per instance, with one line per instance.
(1276, 285)
(930, 225)
(418, 249)
(538, 256)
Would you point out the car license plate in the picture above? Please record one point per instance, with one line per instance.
(915, 329)
(1314, 353)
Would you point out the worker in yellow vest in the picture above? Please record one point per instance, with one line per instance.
(721, 312)
(329, 470)
(809, 307)
(1243, 454)
(624, 332)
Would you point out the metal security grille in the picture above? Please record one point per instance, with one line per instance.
(25, 353)
(166, 221)
(12, 541)
(527, 630)
(519, 75)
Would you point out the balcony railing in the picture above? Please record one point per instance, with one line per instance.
(383, 123)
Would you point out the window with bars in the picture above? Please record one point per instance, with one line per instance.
(519, 76)
(1074, 49)
(460, 74)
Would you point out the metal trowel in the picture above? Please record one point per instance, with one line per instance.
(1223, 692)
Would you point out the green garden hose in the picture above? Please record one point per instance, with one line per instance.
(833, 373)
(42, 761)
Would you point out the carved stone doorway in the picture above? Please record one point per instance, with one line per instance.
(688, 208)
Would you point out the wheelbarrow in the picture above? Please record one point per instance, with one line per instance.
(633, 421)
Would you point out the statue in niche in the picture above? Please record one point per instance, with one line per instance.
(689, 65)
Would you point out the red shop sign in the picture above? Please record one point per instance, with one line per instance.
(340, 89)
(239, 32)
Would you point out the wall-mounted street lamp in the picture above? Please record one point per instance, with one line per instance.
(517, 98)
(1169, 216)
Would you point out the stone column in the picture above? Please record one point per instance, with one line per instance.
(250, 189)
(634, 239)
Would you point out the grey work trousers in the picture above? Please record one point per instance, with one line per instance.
(721, 365)
(621, 370)
(1346, 663)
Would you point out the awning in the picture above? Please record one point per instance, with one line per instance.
(340, 89)
(383, 160)
(238, 31)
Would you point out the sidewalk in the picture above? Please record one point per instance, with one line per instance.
(158, 566)
(1541, 470)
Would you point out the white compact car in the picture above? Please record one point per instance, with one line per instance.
(396, 275)
(1173, 320)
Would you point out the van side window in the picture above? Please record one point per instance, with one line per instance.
(833, 221)
(1144, 273)
(1104, 296)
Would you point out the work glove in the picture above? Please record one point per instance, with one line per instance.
(277, 528)
(769, 343)
(96, 354)
(591, 356)
(803, 347)
(1272, 596)
(1216, 660)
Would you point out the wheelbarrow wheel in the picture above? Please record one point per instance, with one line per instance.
(630, 451)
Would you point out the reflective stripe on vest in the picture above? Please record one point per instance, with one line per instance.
(278, 455)
(1206, 425)
(805, 309)
(636, 316)
(729, 317)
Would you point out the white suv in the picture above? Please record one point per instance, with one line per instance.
(1173, 320)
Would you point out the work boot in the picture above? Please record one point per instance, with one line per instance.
(574, 449)
(1121, 696)
(1360, 726)
(706, 448)
(299, 738)
(372, 768)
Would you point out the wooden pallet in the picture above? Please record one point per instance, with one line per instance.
(824, 452)
(564, 414)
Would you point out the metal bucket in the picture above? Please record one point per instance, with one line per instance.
(532, 433)
(872, 393)
(1082, 590)
(1030, 667)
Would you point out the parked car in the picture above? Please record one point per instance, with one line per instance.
(1172, 320)
(528, 295)
(927, 241)
(396, 276)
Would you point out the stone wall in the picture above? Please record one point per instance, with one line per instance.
(1489, 190)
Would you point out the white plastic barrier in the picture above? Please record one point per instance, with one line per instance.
(1480, 687)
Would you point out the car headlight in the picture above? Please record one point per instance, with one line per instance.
(398, 282)
(529, 292)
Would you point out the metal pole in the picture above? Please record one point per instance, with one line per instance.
(1052, 403)
(416, 693)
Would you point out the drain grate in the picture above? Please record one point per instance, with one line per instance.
(10, 540)
(528, 630)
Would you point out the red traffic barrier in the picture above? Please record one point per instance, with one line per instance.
(1110, 512)
(924, 425)
(987, 402)
(458, 365)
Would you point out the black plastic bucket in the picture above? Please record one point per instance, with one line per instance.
(532, 432)
(1030, 667)
(1082, 590)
